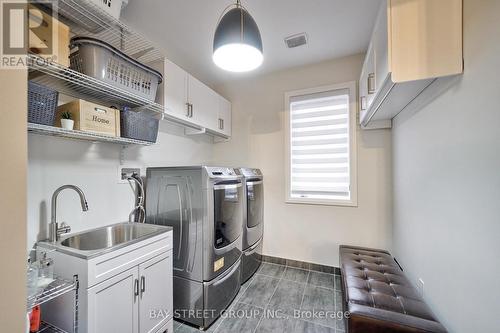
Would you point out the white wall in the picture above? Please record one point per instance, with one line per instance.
(447, 184)
(54, 162)
(307, 232)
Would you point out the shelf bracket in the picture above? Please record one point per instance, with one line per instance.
(192, 131)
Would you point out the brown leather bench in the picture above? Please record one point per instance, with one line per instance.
(379, 297)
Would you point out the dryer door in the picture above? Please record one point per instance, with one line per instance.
(255, 212)
(255, 203)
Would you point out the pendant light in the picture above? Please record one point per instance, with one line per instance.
(237, 41)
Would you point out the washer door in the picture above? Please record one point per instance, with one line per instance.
(227, 214)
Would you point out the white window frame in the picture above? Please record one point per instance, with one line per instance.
(353, 170)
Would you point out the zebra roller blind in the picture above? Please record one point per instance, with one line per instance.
(319, 147)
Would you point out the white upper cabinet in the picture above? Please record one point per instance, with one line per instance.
(224, 120)
(190, 102)
(414, 42)
(174, 93)
(204, 104)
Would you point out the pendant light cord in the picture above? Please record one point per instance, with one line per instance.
(238, 4)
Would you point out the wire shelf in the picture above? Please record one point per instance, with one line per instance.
(80, 135)
(86, 19)
(78, 85)
(48, 328)
(55, 289)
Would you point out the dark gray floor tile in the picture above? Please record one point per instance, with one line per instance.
(338, 282)
(298, 264)
(260, 291)
(338, 300)
(324, 280)
(214, 326)
(274, 260)
(243, 288)
(295, 274)
(272, 270)
(340, 325)
(308, 327)
(242, 318)
(322, 268)
(183, 328)
(276, 325)
(288, 297)
(317, 298)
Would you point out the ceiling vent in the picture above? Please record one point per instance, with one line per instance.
(296, 40)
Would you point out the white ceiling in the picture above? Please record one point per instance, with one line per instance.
(184, 28)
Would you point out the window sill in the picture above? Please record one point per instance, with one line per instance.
(340, 203)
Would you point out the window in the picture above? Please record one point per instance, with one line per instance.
(321, 145)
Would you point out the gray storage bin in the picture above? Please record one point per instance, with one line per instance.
(104, 62)
(138, 126)
(42, 104)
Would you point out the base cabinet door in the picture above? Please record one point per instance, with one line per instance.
(113, 304)
(155, 305)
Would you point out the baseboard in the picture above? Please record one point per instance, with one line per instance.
(301, 264)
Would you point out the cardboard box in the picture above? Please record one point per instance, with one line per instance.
(91, 117)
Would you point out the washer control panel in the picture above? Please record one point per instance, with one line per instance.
(220, 172)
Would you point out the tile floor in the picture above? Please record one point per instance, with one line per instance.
(272, 299)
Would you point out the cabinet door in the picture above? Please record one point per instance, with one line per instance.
(205, 104)
(363, 93)
(370, 75)
(381, 47)
(224, 118)
(175, 90)
(113, 304)
(155, 306)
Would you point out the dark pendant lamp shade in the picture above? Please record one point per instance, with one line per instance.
(237, 42)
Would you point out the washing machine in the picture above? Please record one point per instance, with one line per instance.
(205, 207)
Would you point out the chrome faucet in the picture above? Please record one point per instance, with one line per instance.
(54, 230)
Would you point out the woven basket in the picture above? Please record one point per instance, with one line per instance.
(42, 104)
(138, 126)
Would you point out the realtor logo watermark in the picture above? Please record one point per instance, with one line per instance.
(26, 28)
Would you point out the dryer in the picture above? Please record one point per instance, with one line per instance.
(253, 221)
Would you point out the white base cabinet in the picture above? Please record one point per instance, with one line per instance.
(131, 301)
(155, 293)
(112, 305)
(128, 290)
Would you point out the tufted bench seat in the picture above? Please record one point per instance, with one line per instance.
(379, 297)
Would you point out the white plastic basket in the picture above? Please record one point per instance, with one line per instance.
(103, 62)
(112, 7)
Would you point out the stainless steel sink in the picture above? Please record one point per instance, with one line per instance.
(95, 242)
(108, 236)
